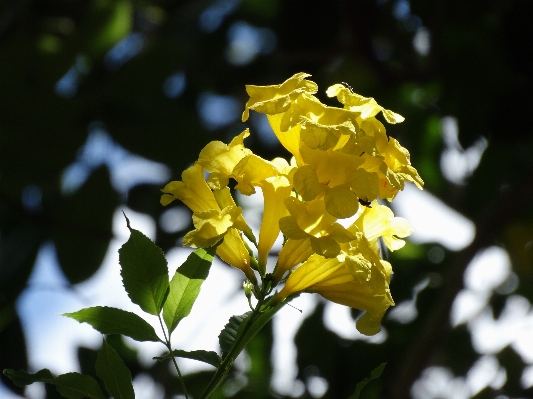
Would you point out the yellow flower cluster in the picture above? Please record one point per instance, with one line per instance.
(342, 162)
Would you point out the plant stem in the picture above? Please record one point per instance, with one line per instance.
(169, 347)
(235, 350)
(254, 323)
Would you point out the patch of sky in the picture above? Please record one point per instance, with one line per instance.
(457, 164)
(126, 169)
(406, 311)
(124, 51)
(212, 17)
(422, 41)
(246, 42)
(425, 212)
(262, 127)
(440, 383)
(31, 198)
(175, 219)
(317, 386)
(401, 9)
(217, 111)
(175, 84)
(67, 86)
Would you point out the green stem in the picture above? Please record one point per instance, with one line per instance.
(235, 350)
(169, 347)
(254, 323)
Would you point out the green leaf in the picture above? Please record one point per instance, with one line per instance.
(208, 357)
(376, 373)
(185, 286)
(70, 385)
(22, 378)
(77, 386)
(112, 370)
(116, 321)
(227, 336)
(144, 271)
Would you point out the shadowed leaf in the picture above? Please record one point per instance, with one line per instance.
(208, 357)
(112, 370)
(70, 385)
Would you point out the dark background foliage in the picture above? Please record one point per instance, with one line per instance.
(143, 71)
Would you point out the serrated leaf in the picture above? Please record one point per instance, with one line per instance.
(144, 272)
(227, 336)
(208, 357)
(109, 320)
(70, 385)
(112, 370)
(78, 386)
(185, 286)
(376, 373)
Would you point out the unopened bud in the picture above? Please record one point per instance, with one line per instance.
(248, 288)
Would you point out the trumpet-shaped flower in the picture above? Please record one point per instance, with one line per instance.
(234, 252)
(214, 212)
(275, 190)
(211, 226)
(220, 159)
(332, 279)
(277, 98)
(292, 253)
(214, 215)
(192, 190)
(342, 157)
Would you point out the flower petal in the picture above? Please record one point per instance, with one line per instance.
(250, 171)
(220, 159)
(192, 191)
(291, 254)
(277, 98)
(275, 190)
(234, 252)
(341, 202)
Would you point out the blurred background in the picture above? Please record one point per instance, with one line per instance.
(104, 102)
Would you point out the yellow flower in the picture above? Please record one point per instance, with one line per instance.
(220, 159)
(234, 252)
(309, 220)
(215, 214)
(292, 253)
(396, 166)
(365, 106)
(192, 190)
(332, 279)
(275, 99)
(379, 221)
(275, 190)
(329, 173)
(342, 157)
